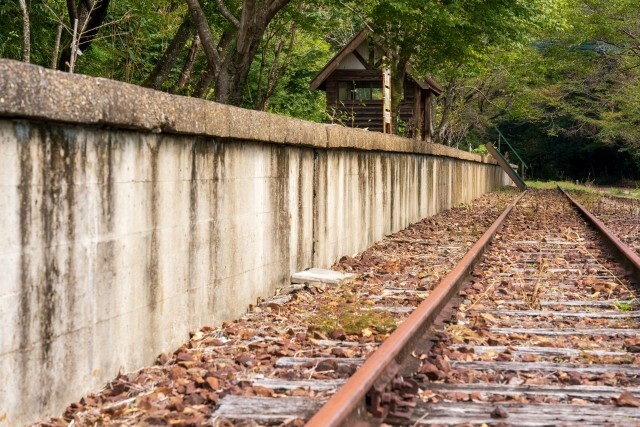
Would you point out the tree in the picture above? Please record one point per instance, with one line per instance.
(229, 59)
(85, 20)
(295, 46)
(432, 35)
(162, 69)
(567, 102)
(26, 32)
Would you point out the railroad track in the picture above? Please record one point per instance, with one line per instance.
(620, 214)
(287, 345)
(545, 331)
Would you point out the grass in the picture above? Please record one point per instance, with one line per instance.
(568, 185)
(624, 306)
(352, 318)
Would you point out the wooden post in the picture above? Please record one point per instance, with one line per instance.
(428, 123)
(387, 123)
(417, 113)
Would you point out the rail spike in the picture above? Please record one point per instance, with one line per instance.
(392, 396)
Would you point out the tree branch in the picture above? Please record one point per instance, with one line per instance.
(26, 32)
(202, 25)
(56, 47)
(163, 67)
(227, 14)
(73, 11)
(274, 7)
(188, 65)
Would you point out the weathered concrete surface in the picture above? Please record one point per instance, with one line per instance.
(32, 92)
(116, 241)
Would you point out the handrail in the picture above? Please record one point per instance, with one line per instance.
(501, 136)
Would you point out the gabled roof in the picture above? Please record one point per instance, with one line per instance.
(349, 48)
(428, 82)
(338, 58)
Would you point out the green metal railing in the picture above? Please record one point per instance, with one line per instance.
(513, 150)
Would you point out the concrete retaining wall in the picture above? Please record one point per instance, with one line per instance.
(130, 217)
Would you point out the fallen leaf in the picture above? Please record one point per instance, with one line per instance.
(499, 412)
(627, 399)
(213, 382)
(489, 317)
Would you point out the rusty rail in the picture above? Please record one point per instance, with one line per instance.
(626, 255)
(379, 372)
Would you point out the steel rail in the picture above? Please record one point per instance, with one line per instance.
(626, 255)
(348, 404)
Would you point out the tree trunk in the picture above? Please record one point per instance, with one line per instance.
(204, 84)
(253, 23)
(398, 74)
(447, 106)
(90, 15)
(26, 32)
(56, 47)
(277, 69)
(223, 84)
(202, 27)
(189, 63)
(162, 69)
(230, 60)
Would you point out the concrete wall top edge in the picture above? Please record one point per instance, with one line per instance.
(37, 93)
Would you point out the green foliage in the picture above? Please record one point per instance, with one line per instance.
(353, 318)
(43, 24)
(624, 305)
(308, 24)
(560, 78)
(480, 149)
(133, 40)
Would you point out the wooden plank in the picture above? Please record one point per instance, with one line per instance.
(404, 291)
(563, 263)
(334, 343)
(590, 415)
(391, 297)
(533, 279)
(551, 270)
(566, 392)
(573, 303)
(357, 75)
(545, 367)
(278, 410)
(551, 251)
(506, 167)
(554, 242)
(560, 332)
(297, 361)
(584, 314)
(266, 409)
(541, 351)
(315, 385)
(576, 265)
(392, 309)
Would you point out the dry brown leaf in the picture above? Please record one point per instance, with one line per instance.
(627, 399)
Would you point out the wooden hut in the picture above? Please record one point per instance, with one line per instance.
(355, 85)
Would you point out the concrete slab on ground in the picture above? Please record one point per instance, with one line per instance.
(320, 275)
